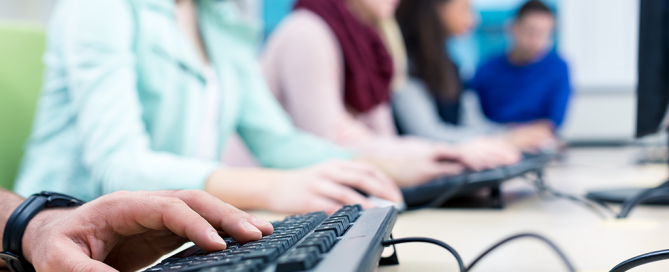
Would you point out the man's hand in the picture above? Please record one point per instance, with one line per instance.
(532, 137)
(127, 231)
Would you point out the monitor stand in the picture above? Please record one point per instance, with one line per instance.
(632, 197)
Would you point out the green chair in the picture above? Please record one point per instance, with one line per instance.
(21, 49)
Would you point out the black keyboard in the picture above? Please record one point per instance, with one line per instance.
(436, 192)
(348, 240)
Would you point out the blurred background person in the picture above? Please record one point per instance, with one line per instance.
(430, 105)
(529, 86)
(125, 108)
(329, 65)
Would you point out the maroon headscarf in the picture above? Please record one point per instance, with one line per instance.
(368, 68)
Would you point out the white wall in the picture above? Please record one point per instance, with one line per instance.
(599, 37)
(26, 10)
(599, 40)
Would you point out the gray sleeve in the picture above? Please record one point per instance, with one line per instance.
(417, 115)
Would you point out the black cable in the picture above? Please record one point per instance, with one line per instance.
(604, 205)
(526, 235)
(461, 264)
(580, 201)
(545, 189)
(641, 260)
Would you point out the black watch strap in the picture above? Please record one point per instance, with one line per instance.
(12, 242)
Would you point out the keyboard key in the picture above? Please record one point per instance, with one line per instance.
(321, 245)
(330, 236)
(198, 265)
(217, 253)
(298, 260)
(330, 227)
(357, 207)
(265, 254)
(349, 215)
(337, 224)
(248, 265)
(170, 260)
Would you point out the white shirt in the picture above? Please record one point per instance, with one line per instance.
(209, 132)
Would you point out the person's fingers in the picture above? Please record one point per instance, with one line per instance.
(213, 208)
(446, 152)
(492, 153)
(319, 203)
(436, 170)
(239, 225)
(364, 182)
(367, 169)
(499, 156)
(70, 257)
(391, 187)
(477, 156)
(461, 154)
(342, 194)
(446, 169)
(160, 212)
(474, 161)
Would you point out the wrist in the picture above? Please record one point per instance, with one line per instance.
(9, 203)
(247, 189)
(22, 216)
(37, 228)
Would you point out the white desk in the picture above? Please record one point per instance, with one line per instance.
(592, 244)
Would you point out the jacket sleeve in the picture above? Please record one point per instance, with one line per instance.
(97, 47)
(416, 114)
(268, 132)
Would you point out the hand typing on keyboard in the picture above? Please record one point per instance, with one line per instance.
(299, 243)
(488, 153)
(329, 186)
(128, 231)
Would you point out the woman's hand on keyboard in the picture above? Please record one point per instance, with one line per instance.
(532, 137)
(415, 161)
(127, 231)
(488, 153)
(327, 187)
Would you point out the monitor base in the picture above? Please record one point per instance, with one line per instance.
(618, 196)
(634, 197)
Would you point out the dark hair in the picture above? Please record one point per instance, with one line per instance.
(533, 6)
(425, 40)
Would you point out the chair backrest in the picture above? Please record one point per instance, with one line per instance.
(21, 49)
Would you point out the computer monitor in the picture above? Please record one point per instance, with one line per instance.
(653, 99)
(653, 73)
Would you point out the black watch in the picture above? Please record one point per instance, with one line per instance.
(12, 241)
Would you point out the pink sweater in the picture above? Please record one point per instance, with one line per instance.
(304, 67)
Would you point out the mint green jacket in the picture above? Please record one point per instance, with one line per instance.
(120, 108)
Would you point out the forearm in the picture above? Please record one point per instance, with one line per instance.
(8, 203)
(246, 189)
(148, 170)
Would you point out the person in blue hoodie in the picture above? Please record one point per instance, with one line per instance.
(523, 94)
(528, 86)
